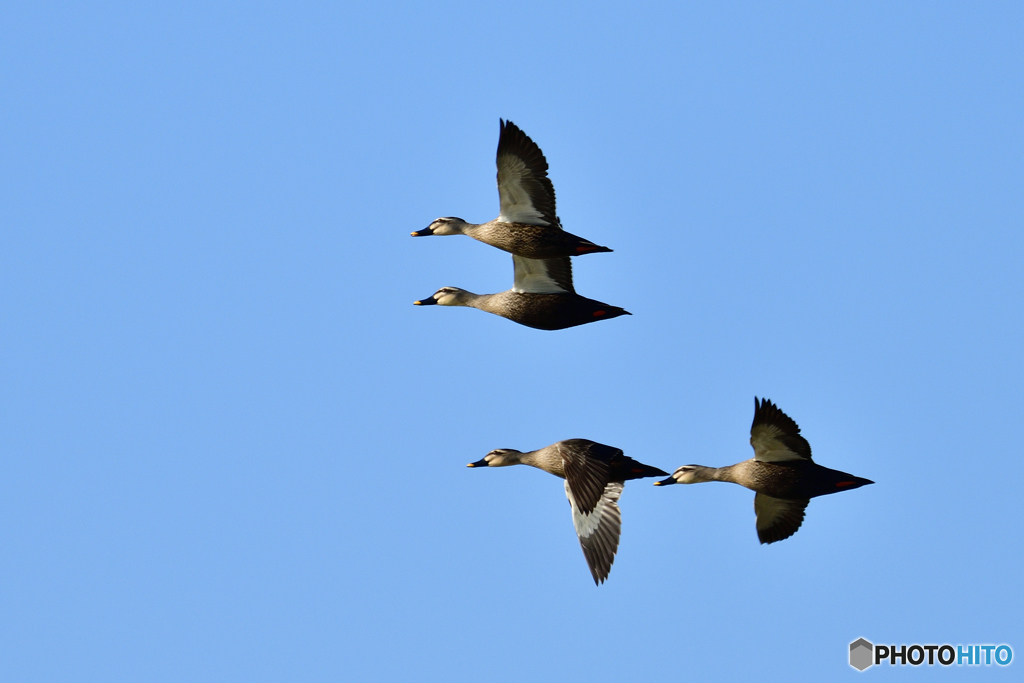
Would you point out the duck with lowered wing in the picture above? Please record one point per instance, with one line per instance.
(594, 476)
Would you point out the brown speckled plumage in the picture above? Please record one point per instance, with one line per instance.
(548, 311)
(532, 241)
(782, 474)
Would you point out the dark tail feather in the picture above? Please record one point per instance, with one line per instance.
(590, 248)
(606, 312)
(851, 482)
(628, 468)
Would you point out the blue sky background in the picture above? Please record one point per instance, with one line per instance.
(232, 449)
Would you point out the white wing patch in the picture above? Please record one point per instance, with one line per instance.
(516, 203)
(532, 277)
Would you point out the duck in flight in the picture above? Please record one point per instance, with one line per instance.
(594, 476)
(781, 473)
(527, 224)
(542, 297)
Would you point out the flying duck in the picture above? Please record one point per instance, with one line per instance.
(527, 224)
(542, 297)
(594, 476)
(781, 472)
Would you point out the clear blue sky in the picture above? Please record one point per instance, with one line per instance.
(231, 449)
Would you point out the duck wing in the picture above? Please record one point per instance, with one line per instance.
(594, 501)
(542, 276)
(778, 518)
(598, 529)
(526, 192)
(775, 436)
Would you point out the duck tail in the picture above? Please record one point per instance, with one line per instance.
(631, 469)
(851, 482)
(590, 248)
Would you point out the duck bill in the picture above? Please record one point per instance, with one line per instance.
(478, 463)
(429, 301)
(666, 482)
(423, 233)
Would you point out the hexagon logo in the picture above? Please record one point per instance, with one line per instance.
(861, 654)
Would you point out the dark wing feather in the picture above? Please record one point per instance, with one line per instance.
(526, 192)
(585, 476)
(621, 467)
(588, 468)
(774, 435)
(778, 518)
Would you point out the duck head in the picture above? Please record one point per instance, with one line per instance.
(446, 296)
(687, 474)
(449, 225)
(499, 457)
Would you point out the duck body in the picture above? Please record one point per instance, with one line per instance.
(594, 476)
(542, 297)
(539, 311)
(790, 480)
(522, 239)
(782, 474)
(554, 459)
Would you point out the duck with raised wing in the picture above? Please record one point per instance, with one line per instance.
(542, 297)
(527, 224)
(781, 473)
(594, 476)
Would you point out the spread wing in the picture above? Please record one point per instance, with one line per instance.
(542, 276)
(598, 529)
(593, 499)
(777, 519)
(775, 436)
(526, 192)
